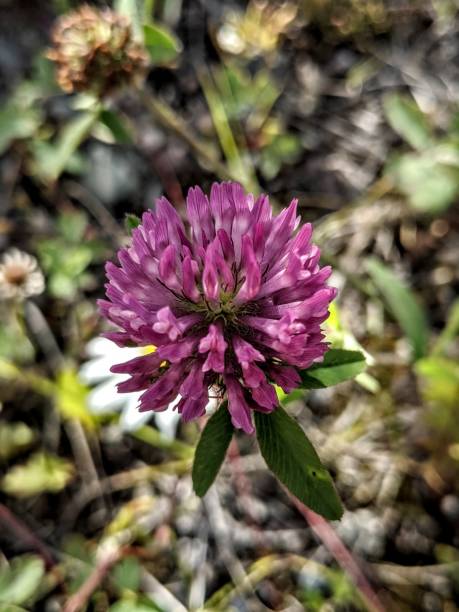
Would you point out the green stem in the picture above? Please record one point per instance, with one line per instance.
(236, 163)
(151, 436)
(169, 119)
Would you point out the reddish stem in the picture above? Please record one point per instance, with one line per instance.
(80, 599)
(325, 532)
(23, 533)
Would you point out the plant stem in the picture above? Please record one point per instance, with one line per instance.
(169, 119)
(79, 600)
(43, 336)
(14, 525)
(325, 532)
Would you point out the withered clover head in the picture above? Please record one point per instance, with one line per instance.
(94, 50)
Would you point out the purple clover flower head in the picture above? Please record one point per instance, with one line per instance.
(234, 302)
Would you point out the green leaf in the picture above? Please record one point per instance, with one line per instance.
(65, 264)
(16, 124)
(76, 546)
(116, 126)
(162, 46)
(14, 342)
(131, 222)
(407, 119)
(338, 365)
(430, 186)
(21, 580)
(80, 560)
(52, 159)
(126, 574)
(402, 304)
(339, 336)
(284, 148)
(42, 472)
(292, 458)
(138, 604)
(14, 438)
(211, 449)
(155, 438)
(72, 226)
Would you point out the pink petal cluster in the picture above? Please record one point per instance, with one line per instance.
(234, 302)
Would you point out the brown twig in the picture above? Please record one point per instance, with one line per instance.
(20, 529)
(117, 546)
(120, 482)
(42, 335)
(103, 216)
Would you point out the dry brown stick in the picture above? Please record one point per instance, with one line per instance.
(28, 538)
(103, 216)
(122, 481)
(42, 335)
(115, 547)
(392, 573)
(222, 534)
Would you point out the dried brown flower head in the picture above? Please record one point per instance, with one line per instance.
(20, 276)
(94, 50)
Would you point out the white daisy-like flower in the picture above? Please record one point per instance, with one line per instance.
(20, 276)
(104, 397)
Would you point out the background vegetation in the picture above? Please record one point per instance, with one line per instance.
(353, 108)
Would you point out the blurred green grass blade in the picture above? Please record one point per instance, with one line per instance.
(292, 458)
(155, 438)
(403, 305)
(450, 331)
(407, 119)
(10, 372)
(51, 159)
(211, 450)
(237, 166)
(71, 398)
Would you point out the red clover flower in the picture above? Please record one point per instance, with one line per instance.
(234, 303)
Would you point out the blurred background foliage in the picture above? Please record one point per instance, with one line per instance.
(350, 106)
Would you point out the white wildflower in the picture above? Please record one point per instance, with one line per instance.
(20, 276)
